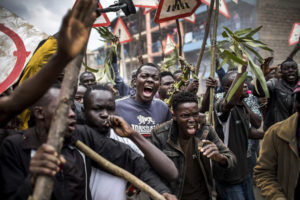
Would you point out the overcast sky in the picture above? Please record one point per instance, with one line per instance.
(46, 15)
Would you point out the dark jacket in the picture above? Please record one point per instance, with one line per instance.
(165, 137)
(14, 163)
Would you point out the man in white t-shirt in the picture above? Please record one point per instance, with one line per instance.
(99, 108)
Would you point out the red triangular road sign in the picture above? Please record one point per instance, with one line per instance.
(174, 9)
(145, 3)
(191, 18)
(222, 8)
(102, 20)
(295, 34)
(122, 32)
(170, 44)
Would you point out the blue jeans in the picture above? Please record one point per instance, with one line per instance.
(241, 191)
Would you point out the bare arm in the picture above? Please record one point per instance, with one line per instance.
(158, 160)
(72, 38)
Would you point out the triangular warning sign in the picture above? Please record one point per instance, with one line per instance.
(145, 3)
(295, 34)
(102, 20)
(170, 44)
(222, 8)
(191, 18)
(122, 32)
(174, 9)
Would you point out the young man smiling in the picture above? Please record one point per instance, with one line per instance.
(190, 146)
(141, 111)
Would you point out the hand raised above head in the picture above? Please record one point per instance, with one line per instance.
(75, 28)
(211, 82)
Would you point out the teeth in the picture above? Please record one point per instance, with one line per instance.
(191, 126)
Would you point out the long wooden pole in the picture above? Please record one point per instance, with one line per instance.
(179, 37)
(207, 28)
(213, 63)
(44, 184)
(118, 171)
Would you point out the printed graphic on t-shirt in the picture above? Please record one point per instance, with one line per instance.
(145, 125)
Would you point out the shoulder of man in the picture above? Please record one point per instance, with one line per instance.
(162, 128)
(123, 99)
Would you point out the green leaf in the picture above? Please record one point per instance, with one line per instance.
(225, 60)
(236, 86)
(249, 35)
(234, 57)
(257, 74)
(242, 32)
(228, 30)
(89, 68)
(224, 34)
(260, 59)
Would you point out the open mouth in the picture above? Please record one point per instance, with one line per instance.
(191, 129)
(71, 126)
(148, 90)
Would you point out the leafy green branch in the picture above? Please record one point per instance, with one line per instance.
(239, 43)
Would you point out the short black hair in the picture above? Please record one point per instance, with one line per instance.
(228, 78)
(146, 64)
(84, 73)
(183, 97)
(166, 73)
(287, 61)
(103, 87)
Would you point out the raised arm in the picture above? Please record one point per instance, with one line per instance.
(72, 38)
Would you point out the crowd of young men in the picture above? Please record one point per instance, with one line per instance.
(171, 149)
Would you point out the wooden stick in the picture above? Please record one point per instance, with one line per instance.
(118, 171)
(44, 184)
(207, 27)
(213, 63)
(179, 37)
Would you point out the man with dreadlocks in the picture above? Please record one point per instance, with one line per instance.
(280, 103)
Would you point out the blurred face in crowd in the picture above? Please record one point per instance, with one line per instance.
(100, 104)
(88, 79)
(80, 93)
(245, 91)
(187, 117)
(147, 84)
(289, 72)
(166, 84)
(45, 109)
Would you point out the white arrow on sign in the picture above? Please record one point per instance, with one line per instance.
(174, 9)
(191, 18)
(102, 20)
(295, 34)
(122, 32)
(145, 3)
(170, 44)
(222, 7)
